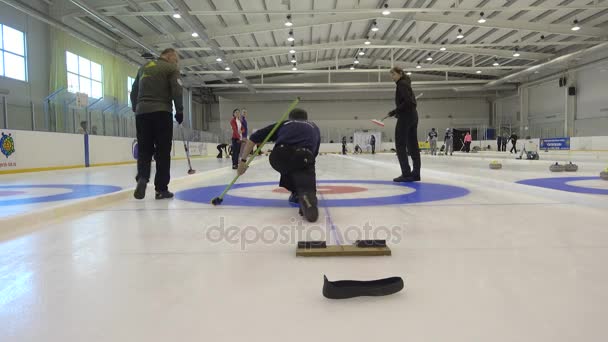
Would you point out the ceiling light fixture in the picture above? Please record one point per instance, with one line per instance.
(361, 53)
(516, 53)
(290, 37)
(288, 22)
(442, 48)
(295, 68)
(429, 58)
(293, 59)
(356, 60)
(496, 62)
(367, 42)
(227, 68)
(575, 26)
(418, 66)
(460, 35)
(177, 16)
(482, 19)
(194, 34)
(218, 59)
(375, 27)
(293, 49)
(386, 11)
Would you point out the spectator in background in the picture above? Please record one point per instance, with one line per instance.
(504, 142)
(468, 139)
(372, 142)
(237, 136)
(343, 145)
(448, 140)
(244, 129)
(499, 142)
(83, 128)
(514, 142)
(433, 141)
(221, 147)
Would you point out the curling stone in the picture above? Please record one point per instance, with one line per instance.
(557, 168)
(571, 167)
(495, 165)
(604, 174)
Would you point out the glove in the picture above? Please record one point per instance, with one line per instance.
(242, 168)
(179, 117)
(392, 113)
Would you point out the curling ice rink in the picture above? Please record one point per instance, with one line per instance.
(484, 258)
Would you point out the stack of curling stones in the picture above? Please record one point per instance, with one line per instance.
(571, 167)
(557, 168)
(495, 165)
(604, 174)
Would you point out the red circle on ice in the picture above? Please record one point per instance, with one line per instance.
(11, 193)
(330, 190)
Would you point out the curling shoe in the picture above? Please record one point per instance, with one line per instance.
(308, 206)
(140, 189)
(160, 195)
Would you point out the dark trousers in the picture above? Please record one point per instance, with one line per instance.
(154, 137)
(297, 168)
(504, 147)
(343, 148)
(406, 142)
(236, 151)
(373, 148)
(221, 147)
(467, 146)
(514, 148)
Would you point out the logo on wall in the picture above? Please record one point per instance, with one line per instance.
(7, 145)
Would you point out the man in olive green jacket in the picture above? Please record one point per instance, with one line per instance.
(156, 88)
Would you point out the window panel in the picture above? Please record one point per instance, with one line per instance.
(14, 41)
(96, 72)
(85, 85)
(72, 62)
(15, 66)
(1, 63)
(73, 84)
(84, 67)
(97, 90)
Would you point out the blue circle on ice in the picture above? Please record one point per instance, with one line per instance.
(76, 191)
(423, 192)
(561, 183)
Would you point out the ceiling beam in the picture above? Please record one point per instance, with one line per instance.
(237, 30)
(358, 44)
(376, 11)
(512, 25)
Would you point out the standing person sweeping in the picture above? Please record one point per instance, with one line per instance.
(433, 141)
(406, 131)
(156, 86)
(237, 136)
(514, 142)
(296, 146)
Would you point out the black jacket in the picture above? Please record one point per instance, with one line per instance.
(405, 100)
(296, 133)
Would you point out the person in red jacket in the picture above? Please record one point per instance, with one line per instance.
(237, 136)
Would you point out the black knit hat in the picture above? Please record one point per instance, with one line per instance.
(298, 114)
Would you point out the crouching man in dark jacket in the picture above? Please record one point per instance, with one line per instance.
(297, 142)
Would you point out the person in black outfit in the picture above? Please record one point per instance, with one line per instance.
(499, 142)
(514, 142)
(156, 90)
(343, 145)
(372, 141)
(221, 147)
(296, 146)
(505, 140)
(406, 131)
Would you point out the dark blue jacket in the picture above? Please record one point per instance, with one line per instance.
(292, 133)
